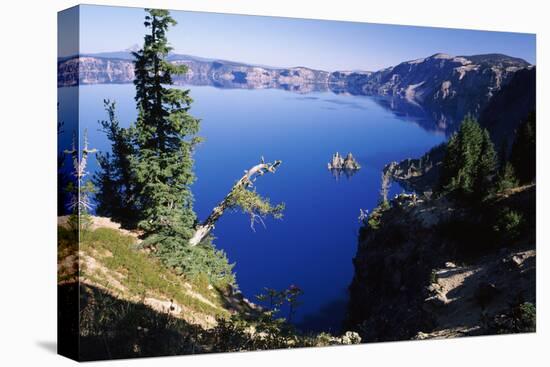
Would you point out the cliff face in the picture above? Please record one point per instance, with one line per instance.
(442, 86)
(407, 284)
(510, 106)
(448, 86)
(90, 69)
(503, 113)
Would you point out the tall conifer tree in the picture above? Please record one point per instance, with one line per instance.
(470, 161)
(164, 137)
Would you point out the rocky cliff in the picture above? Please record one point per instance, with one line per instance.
(435, 268)
(510, 106)
(503, 113)
(118, 68)
(445, 87)
(448, 86)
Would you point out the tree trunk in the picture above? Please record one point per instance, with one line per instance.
(246, 181)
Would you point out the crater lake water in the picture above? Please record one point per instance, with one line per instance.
(314, 244)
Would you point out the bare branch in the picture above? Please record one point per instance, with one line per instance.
(245, 182)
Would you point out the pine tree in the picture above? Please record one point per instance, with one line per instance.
(164, 138)
(486, 166)
(523, 156)
(117, 191)
(470, 161)
(506, 178)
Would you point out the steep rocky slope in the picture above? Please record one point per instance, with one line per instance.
(510, 106)
(448, 86)
(501, 116)
(434, 268)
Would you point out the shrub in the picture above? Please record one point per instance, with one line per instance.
(509, 224)
(519, 319)
(507, 178)
(194, 261)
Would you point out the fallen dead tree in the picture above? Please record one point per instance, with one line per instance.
(242, 196)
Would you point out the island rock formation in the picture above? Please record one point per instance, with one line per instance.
(340, 163)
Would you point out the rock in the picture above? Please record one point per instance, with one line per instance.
(517, 260)
(339, 163)
(437, 300)
(350, 162)
(348, 338)
(351, 337)
(421, 336)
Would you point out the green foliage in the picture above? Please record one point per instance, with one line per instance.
(521, 318)
(145, 181)
(264, 332)
(276, 299)
(113, 328)
(117, 189)
(509, 224)
(470, 161)
(374, 218)
(144, 275)
(523, 156)
(384, 205)
(506, 178)
(203, 260)
(374, 221)
(256, 206)
(164, 136)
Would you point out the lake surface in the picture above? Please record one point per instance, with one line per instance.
(313, 245)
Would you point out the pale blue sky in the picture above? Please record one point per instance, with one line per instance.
(327, 45)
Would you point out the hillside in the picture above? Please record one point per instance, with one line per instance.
(130, 305)
(436, 268)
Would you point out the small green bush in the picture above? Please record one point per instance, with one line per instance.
(509, 224)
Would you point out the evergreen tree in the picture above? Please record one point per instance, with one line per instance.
(506, 178)
(164, 138)
(470, 161)
(486, 167)
(117, 194)
(523, 156)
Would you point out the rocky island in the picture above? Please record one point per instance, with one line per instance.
(338, 162)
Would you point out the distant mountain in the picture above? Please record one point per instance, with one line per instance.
(443, 86)
(449, 87)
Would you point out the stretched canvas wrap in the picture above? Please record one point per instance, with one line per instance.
(234, 183)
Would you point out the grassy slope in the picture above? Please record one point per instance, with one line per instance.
(128, 304)
(109, 260)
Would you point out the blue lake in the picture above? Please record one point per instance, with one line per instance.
(313, 245)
